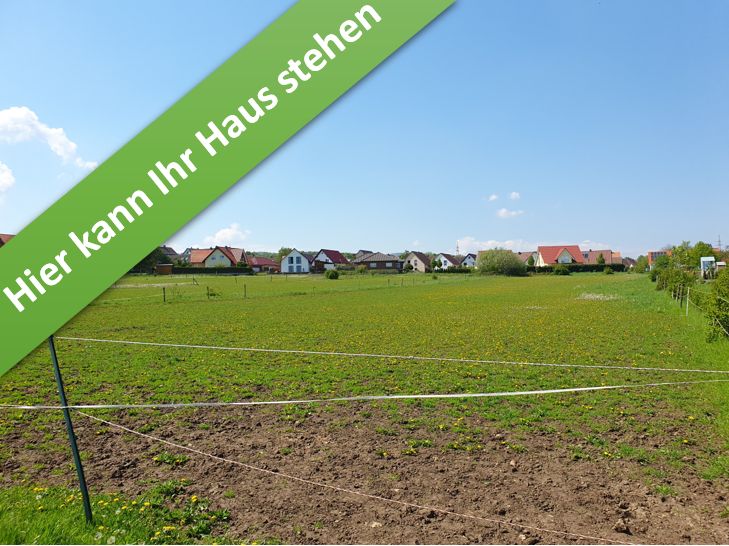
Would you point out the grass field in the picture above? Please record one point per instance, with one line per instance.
(654, 459)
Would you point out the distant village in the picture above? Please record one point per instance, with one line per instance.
(293, 261)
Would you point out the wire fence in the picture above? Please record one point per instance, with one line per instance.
(368, 496)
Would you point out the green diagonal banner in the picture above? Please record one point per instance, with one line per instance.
(191, 155)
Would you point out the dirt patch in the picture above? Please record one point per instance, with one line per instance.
(527, 481)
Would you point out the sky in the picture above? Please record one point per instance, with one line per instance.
(504, 123)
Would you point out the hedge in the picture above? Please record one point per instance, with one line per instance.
(579, 268)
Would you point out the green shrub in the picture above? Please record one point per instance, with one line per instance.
(332, 274)
(500, 262)
(608, 270)
(718, 307)
(561, 269)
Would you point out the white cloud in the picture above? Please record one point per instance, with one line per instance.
(416, 244)
(7, 179)
(515, 195)
(21, 124)
(471, 244)
(232, 235)
(506, 213)
(493, 197)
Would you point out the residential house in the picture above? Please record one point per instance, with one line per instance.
(5, 238)
(469, 260)
(361, 254)
(419, 261)
(524, 256)
(260, 264)
(562, 254)
(379, 261)
(170, 253)
(448, 260)
(329, 259)
(296, 262)
(219, 256)
(592, 257)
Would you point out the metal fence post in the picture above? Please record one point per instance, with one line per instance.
(70, 432)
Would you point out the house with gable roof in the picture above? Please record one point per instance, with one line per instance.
(419, 262)
(327, 259)
(560, 254)
(296, 262)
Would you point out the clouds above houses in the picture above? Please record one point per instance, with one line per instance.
(493, 197)
(515, 195)
(21, 124)
(471, 244)
(232, 235)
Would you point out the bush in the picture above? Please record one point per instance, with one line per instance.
(332, 274)
(719, 305)
(500, 262)
(609, 270)
(578, 268)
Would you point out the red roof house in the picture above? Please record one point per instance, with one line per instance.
(562, 254)
(5, 238)
(260, 264)
(329, 259)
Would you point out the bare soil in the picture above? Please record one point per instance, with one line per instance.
(538, 485)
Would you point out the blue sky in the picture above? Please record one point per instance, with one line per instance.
(607, 121)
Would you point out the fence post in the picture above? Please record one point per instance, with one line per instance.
(71, 433)
(245, 291)
(164, 295)
(208, 288)
(688, 300)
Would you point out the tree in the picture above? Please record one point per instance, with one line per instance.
(500, 262)
(701, 250)
(530, 261)
(282, 252)
(150, 261)
(641, 264)
(435, 264)
(719, 305)
(601, 259)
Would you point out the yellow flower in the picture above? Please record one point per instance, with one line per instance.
(193, 498)
(147, 504)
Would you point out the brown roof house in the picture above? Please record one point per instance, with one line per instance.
(5, 238)
(448, 260)
(378, 261)
(329, 259)
(219, 256)
(260, 264)
(419, 262)
(593, 257)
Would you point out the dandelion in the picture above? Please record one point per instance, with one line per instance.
(193, 498)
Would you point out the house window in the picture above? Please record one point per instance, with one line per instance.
(291, 259)
(298, 259)
(388, 264)
(373, 264)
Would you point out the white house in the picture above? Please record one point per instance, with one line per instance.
(469, 260)
(448, 260)
(329, 259)
(295, 262)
